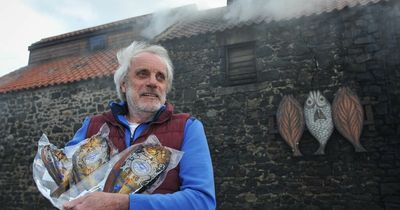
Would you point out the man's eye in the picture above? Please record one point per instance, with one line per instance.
(142, 74)
(160, 77)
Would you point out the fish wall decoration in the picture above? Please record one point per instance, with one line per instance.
(318, 116)
(290, 120)
(348, 116)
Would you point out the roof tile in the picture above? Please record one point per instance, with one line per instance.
(104, 63)
(63, 70)
(214, 20)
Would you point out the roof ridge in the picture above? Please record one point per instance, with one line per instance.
(61, 70)
(217, 23)
(94, 28)
(103, 63)
(105, 26)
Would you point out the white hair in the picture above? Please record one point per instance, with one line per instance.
(126, 56)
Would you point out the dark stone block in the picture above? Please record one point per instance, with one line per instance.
(269, 75)
(356, 67)
(364, 40)
(371, 48)
(264, 52)
(363, 58)
(372, 27)
(381, 109)
(189, 94)
(56, 129)
(11, 120)
(55, 95)
(355, 51)
(365, 77)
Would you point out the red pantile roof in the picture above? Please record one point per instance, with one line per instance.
(215, 20)
(137, 20)
(103, 63)
(59, 71)
(127, 21)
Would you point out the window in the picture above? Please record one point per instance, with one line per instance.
(97, 42)
(240, 63)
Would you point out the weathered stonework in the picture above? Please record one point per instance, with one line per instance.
(56, 111)
(253, 166)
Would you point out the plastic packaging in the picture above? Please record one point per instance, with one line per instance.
(44, 181)
(82, 168)
(92, 154)
(142, 167)
(93, 165)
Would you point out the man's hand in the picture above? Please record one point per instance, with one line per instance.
(99, 201)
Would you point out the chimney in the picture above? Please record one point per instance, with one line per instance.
(229, 2)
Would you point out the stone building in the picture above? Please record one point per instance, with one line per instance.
(231, 72)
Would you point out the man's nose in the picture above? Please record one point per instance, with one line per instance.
(152, 81)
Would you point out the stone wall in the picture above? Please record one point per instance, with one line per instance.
(253, 166)
(56, 111)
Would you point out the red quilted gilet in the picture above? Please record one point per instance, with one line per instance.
(168, 128)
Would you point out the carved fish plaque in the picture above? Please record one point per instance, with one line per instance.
(290, 120)
(318, 115)
(348, 116)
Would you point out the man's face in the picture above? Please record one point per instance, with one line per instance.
(146, 83)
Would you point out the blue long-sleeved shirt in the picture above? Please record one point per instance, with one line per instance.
(195, 172)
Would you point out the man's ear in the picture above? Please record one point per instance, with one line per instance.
(124, 86)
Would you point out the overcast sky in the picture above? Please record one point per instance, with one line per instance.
(24, 22)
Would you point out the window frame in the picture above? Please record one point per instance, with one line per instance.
(97, 42)
(240, 81)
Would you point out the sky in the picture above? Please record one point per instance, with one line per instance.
(25, 22)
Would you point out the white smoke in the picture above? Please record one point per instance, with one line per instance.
(161, 20)
(243, 10)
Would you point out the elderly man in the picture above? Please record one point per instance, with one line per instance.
(143, 80)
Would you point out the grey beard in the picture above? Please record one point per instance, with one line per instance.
(147, 109)
(135, 107)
